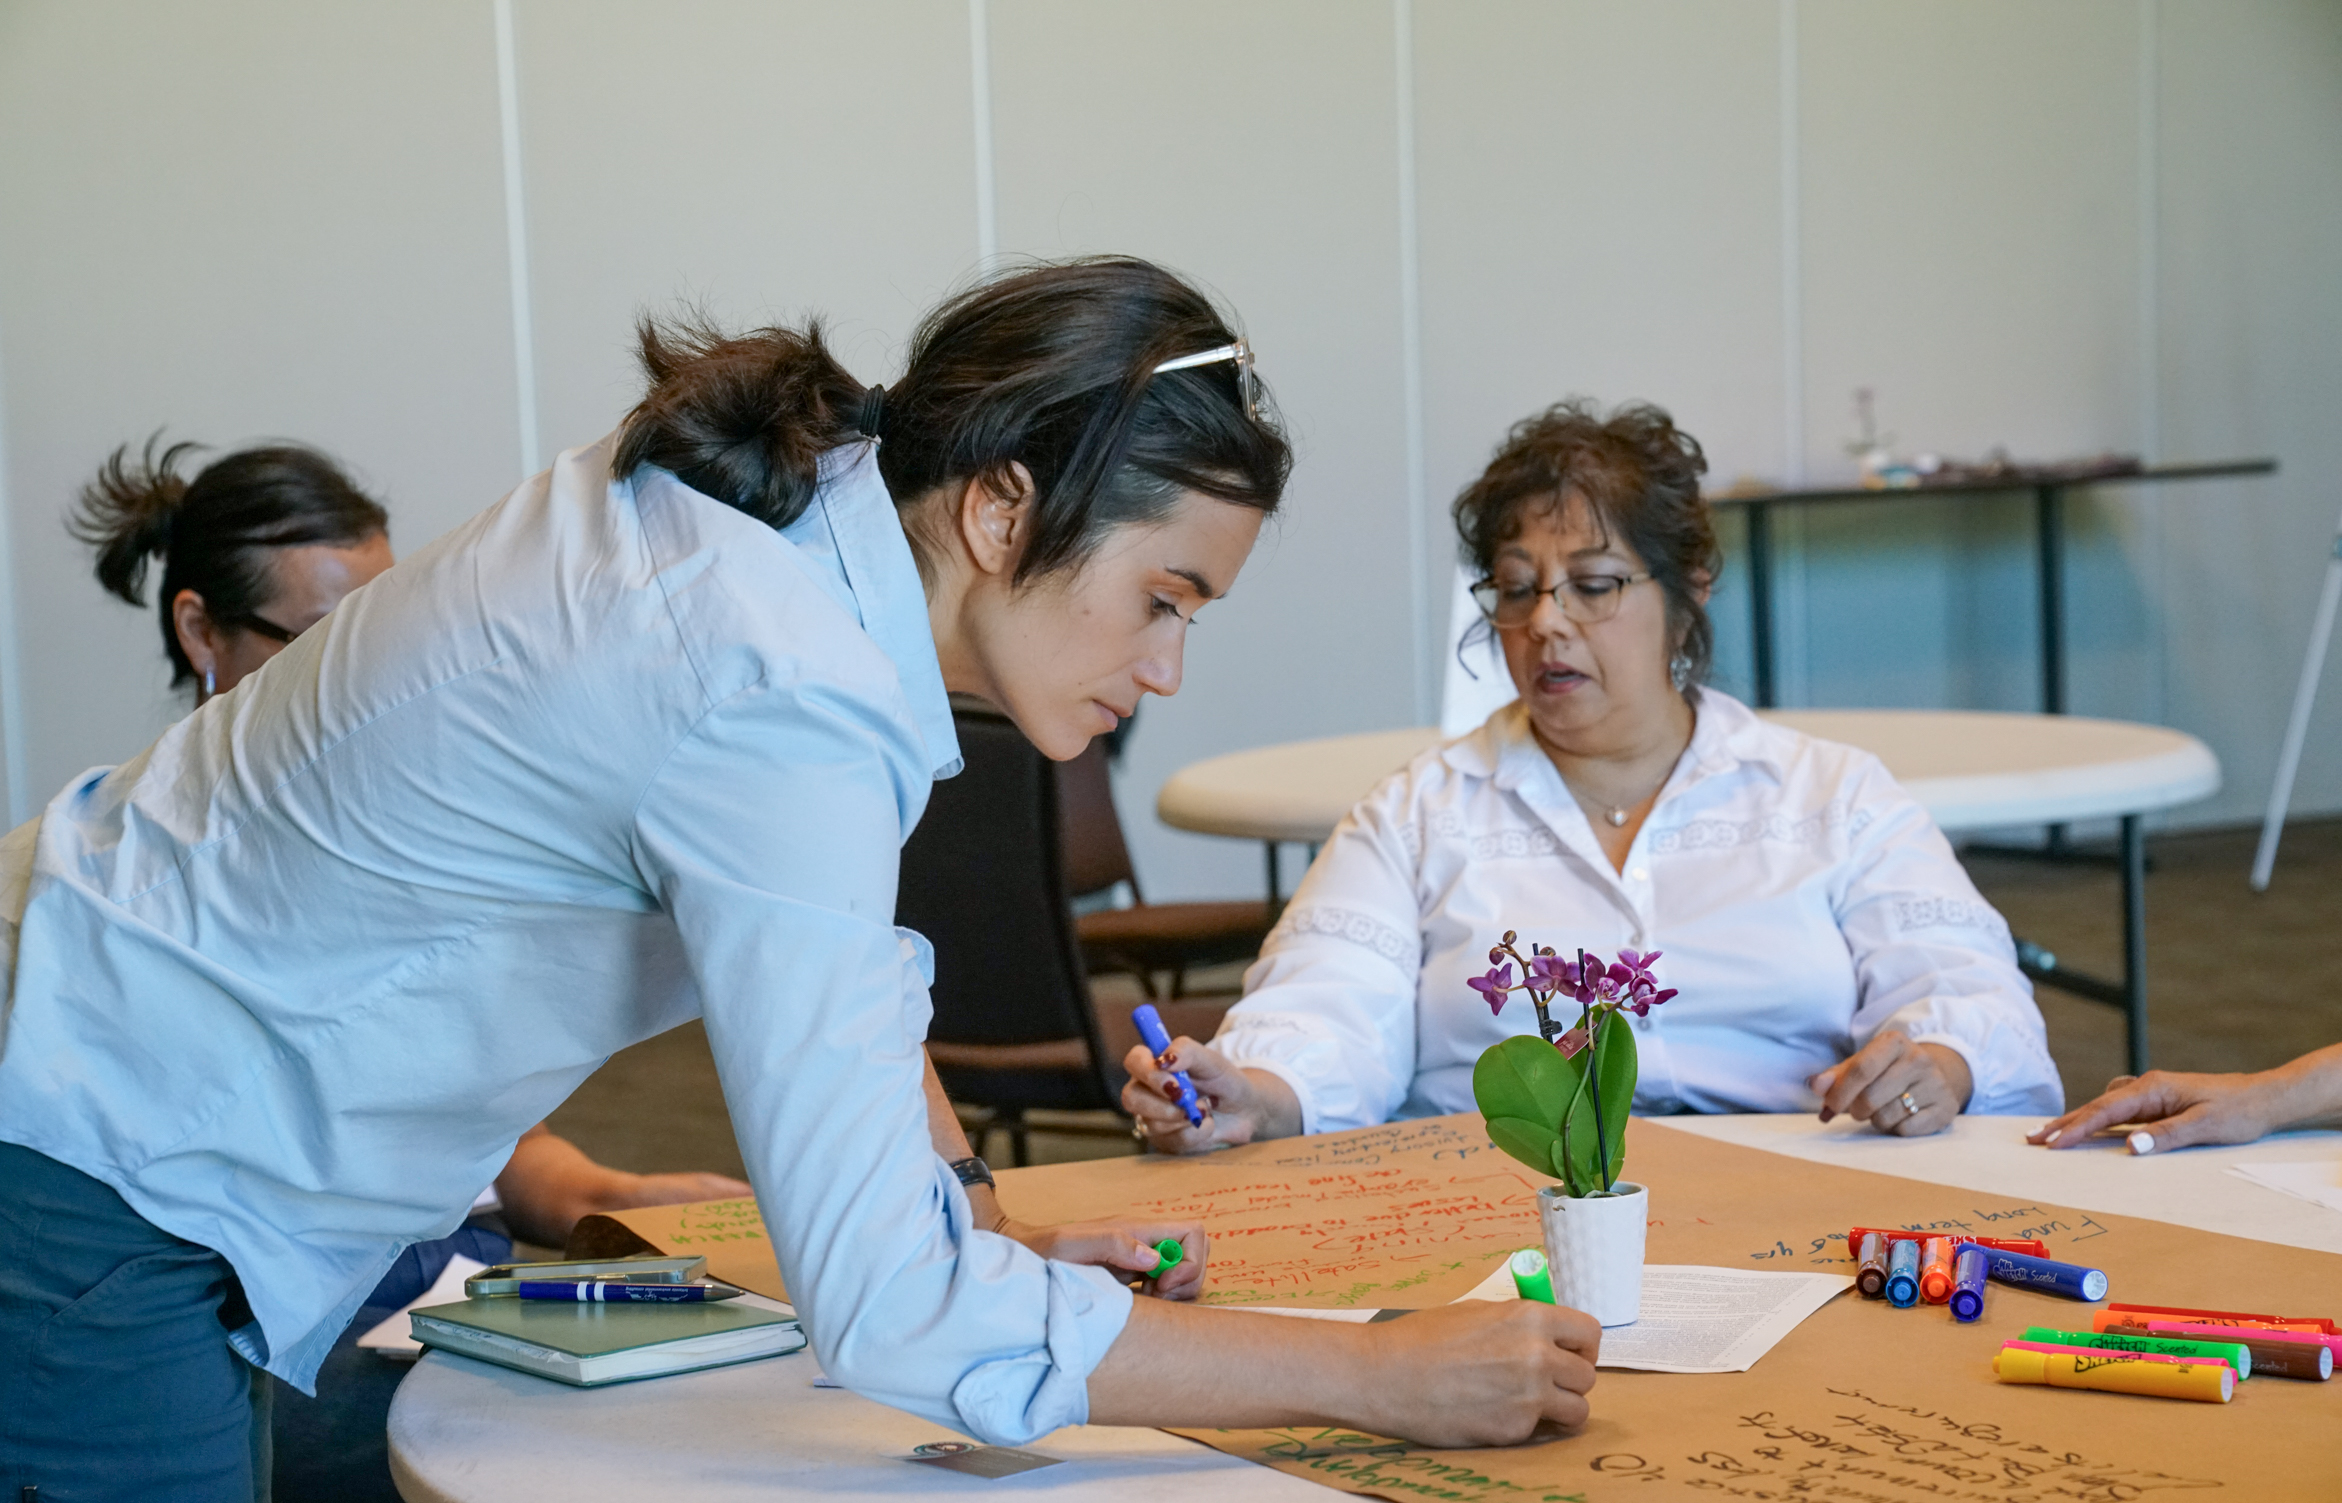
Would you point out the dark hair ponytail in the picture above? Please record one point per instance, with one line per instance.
(1051, 367)
(212, 533)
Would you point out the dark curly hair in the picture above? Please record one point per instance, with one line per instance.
(1639, 477)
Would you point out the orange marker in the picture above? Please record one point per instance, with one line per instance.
(2140, 1317)
(2205, 1382)
(2229, 1318)
(1935, 1270)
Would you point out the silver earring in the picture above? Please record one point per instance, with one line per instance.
(1679, 669)
(209, 683)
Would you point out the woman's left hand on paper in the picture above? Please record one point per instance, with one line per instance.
(1899, 1087)
(1127, 1247)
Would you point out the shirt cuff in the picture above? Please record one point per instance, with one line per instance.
(1968, 1057)
(1310, 1115)
(1019, 1399)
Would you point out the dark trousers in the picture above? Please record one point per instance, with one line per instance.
(116, 1378)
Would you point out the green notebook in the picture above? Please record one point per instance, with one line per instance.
(589, 1344)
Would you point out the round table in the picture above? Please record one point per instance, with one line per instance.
(1971, 769)
(466, 1432)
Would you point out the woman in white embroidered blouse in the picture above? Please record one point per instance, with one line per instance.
(1829, 950)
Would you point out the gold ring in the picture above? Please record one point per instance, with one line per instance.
(1910, 1107)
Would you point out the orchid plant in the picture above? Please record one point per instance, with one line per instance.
(1544, 1097)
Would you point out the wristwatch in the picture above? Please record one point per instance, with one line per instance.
(973, 1172)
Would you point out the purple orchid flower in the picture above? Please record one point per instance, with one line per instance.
(1551, 973)
(1493, 987)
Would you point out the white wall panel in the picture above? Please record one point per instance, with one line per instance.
(1597, 229)
(762, 160)
(1252, 147)
(268, 219)
(1971, 251)
(2251, 310)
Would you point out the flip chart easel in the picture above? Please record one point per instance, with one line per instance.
(2305, 694)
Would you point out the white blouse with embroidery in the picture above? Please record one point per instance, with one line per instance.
(1800, 899)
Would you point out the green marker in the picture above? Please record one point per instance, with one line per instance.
(1530, 1275)
(1168, 1252)
(2233, 1353)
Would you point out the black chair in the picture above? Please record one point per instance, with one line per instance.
(983, 879)
(1145, 938)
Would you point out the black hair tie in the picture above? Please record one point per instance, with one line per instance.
(871, 420)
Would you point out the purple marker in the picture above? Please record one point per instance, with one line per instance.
(1150, 1028)
(1968, 1271)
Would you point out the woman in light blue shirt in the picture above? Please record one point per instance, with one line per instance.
(638, 743)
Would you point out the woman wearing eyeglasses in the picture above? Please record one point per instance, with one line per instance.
(638, 743)
(1828, 950)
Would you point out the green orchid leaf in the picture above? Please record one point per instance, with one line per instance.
(1526, 1079)
(1532, 1143)
(1616, 1068)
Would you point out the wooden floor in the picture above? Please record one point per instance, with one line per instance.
(2238, 981)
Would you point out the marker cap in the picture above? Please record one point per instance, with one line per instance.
(1531, 1277)
(1168, 1254)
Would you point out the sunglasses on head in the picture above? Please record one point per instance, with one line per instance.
(1247, 382)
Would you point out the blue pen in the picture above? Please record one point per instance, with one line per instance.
(2027, 1272)
(1150, 1028)
(618, 1291)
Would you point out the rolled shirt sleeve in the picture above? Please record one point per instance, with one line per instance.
(1934, 959)
(772, 836)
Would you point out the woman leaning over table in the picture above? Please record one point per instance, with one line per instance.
(641, 742)
(1828, 949)
(254, 549)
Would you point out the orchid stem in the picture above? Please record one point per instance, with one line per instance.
(1587, 1021)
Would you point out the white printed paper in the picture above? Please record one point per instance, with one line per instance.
(1702, 1320)
(2319, 1182)
(393, 1338)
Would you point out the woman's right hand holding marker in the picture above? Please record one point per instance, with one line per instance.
(1238, 1105)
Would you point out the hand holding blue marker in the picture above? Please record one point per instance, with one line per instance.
(1150, 1028)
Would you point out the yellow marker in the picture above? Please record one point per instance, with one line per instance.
(2208, 1382)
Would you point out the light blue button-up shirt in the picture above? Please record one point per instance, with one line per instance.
(609, 756)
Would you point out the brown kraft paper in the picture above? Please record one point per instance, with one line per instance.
(1861, 1403)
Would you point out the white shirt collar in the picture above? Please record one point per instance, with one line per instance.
(1725, 735)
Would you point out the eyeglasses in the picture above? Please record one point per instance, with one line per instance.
(261, 625)
(1584, 598)
(1247, 382)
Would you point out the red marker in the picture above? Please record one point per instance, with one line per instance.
(2026, 1245)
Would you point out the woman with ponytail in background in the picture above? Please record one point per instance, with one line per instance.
(641, 742)
(255, 550)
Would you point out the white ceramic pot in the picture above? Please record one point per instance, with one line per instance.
(1594, 1245)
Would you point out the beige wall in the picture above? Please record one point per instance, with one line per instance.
(2101, 224)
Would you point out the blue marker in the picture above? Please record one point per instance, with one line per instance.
(1903, 1275)
(2027, 1272)
(1150, 1028)
(619, 1291)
